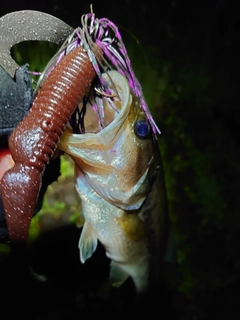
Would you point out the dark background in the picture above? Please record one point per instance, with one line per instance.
(192, 48)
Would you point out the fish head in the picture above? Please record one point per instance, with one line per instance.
(115, 152)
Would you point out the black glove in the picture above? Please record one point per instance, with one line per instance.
(16, 96)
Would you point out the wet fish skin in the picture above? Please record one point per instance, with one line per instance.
(121, 186)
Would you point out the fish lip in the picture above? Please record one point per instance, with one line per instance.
(115, 125)
(25, 25)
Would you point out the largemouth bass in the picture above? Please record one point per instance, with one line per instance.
(118, 170)
(120, 182)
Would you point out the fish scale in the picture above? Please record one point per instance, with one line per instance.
(123, 200)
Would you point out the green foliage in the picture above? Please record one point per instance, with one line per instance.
(34, 53)
(192, 143)
(199, 160)
(55, 205)
(4, 249)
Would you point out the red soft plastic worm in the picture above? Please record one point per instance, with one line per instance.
(35, 139)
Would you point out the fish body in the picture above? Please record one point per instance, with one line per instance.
(120, 183)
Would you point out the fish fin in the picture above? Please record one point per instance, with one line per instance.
(37, 276)
(87, 242)
(117, 275)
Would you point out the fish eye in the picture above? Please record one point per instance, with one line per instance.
(142, 129)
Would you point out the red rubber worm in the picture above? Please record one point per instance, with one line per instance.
(35, 139)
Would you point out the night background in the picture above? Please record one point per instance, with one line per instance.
(186, 56)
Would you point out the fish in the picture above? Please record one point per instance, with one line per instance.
(113, 141)
(112, 138)
(119, 178)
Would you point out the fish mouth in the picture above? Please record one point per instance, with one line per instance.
(104, 46)
(104, 109)
(108, 156)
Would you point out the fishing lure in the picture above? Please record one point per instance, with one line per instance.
(112, 139)
(35, 139)
(90, 105)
